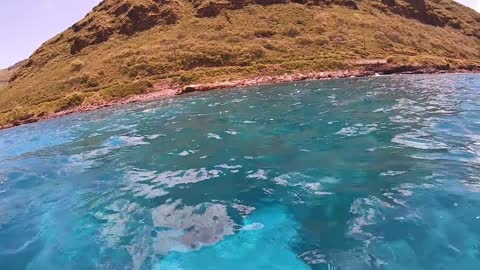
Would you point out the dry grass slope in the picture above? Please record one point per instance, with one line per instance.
(4, 77)
(6, 74)
(237, 43)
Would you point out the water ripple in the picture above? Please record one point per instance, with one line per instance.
(372, 173)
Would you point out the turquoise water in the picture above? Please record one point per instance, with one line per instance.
(374, 173)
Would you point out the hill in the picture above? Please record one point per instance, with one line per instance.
(128, 47)
(5, 74)
(4, 77)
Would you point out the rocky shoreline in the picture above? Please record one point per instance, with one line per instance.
(163, 90)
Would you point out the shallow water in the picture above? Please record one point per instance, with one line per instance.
(375, 173)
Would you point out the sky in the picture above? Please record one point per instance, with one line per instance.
(475, 4)
(26, 24)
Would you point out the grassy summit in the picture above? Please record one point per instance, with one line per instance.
(124, 47)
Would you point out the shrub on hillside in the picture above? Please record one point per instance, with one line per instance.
(233, 39)
(145, 69)
(127, 89)
(264, 33)
(322, 41)
(85, 79)
(291, 31)
(395, 37)
(18, 115)
(76, 65)
(250, 54)
(206, 56)
(304, 41)
(319, 29)
(69, 101)
(268, 45)
(186, 78)
(338, 39)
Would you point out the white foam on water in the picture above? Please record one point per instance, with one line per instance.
(226, 166)
(231, 132)
(190, 176)
(244, 210)
(392, 173)
(253, 227)
(347, 131)
(260, 175)
(213, 136)
(316, 188)
(252, 158)
(125, 141)
(155, 136)
(313, 257)
(357, 130)
(87, 159)
(367, 213)
(418, 140)
(308, 183)
(184, 153)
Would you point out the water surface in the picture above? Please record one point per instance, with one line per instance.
(374, 173)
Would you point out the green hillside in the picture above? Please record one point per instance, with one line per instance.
(125, 47)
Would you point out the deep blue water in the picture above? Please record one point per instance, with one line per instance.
(374, 173)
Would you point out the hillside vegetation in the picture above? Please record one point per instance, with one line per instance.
(4, 77)
(125, 47)
(6, 74)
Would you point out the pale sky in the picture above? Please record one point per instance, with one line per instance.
(475, 4)
(26, 24)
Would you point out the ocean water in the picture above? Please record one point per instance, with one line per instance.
(373, 173)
